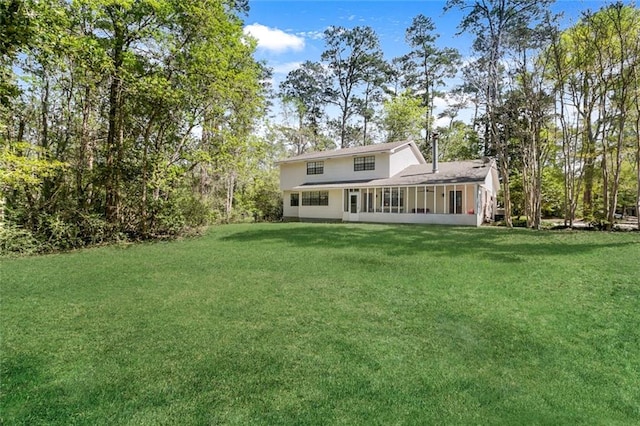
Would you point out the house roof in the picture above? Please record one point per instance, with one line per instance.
(450, 172)
(358, 150)
(420, 174)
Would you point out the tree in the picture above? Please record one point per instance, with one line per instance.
(129, 111)
(305, 90)
(352, 57)
(594, 66)
(533, 102)
(495, 24)
(458, 141)
(402, 117)
(15, 33)
(426, 67)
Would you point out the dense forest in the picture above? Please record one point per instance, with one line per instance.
(129, 120)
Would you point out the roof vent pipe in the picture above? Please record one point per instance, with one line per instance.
(434, 154)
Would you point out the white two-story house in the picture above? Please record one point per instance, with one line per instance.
(387, 183)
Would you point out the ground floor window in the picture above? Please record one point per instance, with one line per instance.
(295, 199)
(315, 198)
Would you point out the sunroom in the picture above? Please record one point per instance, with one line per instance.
(448, 204)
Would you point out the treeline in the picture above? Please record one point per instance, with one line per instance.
(138, 119)
(128, 120)
(558, 109)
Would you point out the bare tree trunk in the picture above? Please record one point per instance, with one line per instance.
(637, 104)
(114, 134)
(85, 156)
(228, 206)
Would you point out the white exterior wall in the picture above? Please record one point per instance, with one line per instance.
(341, 168)
(287, 209)
(429, 218)
(335, 169)
(292, 174)
(401, 159)
(332, 211)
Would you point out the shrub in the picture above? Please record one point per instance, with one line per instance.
(16, 240)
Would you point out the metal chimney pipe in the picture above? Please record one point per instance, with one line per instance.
(434, 146)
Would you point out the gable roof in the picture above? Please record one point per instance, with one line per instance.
(358, 150)
(472, 171)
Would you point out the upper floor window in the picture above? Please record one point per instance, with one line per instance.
(315, 167)
(364, 163)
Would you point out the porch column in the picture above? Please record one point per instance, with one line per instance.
(446, 200)
(374, 200)
(475, 199)
(366, 200)
(425, 198)
(406, 201)
(435, 194)
(455, 199)
(464, 199)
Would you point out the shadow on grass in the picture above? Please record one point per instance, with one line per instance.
(511, 246)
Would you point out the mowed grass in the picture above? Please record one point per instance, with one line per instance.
(327, 324)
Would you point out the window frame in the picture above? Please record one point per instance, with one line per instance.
(315, 198)
(315, 167)
(294, 199)
(364, 163)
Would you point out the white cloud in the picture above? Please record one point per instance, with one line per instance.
(273, 39)
(286, 67)
(440, 103)
(312, 35)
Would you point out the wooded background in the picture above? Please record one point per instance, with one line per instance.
(144, 119)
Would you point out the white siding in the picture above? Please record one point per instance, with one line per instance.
(341, 168)
(292, 174)
(332, 211)
(335, 169)
(436, 219)
(287, 209)
(402, 159)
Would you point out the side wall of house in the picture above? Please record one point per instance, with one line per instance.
(335, 169)
(490, 196)
(291, 174)
(342, 168)
(289, 211)
(401, 159)
(331, 212)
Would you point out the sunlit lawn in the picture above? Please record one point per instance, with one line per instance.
(327, 324)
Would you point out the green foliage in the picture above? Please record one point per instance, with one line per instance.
(15, 34)
(17, 241)
(353, 57)
(107, 138)
(403, 117)
(24, 165)
(458, 142)
(596, 61)
(552, 192)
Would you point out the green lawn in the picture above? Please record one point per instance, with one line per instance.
(327, 324)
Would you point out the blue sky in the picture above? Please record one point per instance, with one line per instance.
(290, 31)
